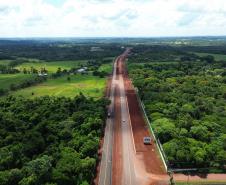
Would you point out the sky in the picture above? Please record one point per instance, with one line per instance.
(112, 18)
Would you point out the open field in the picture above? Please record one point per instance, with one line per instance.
(7, 79)
(216, 56)
(89, 85)
(52, 67)
(4, 62)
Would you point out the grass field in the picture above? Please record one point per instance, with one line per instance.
(87, 84)
(7, 79)
(216, 56)
(4, 62)
(52, 67)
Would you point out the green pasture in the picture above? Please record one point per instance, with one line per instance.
(87, 84)
(7, 79)
(4, 62)
(52, 67)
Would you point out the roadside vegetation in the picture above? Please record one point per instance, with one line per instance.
(52, 111)
(49, 140)
(50, 67)
(185, 99)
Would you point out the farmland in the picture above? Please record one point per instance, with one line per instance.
(4, 62)
(92, 86)
(87, 84)
(52, 67)
(7, 79)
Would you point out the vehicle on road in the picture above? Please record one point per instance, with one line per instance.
(109, 114)
(147, 140)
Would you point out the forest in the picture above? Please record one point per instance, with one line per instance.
(185, 99)
(50, 140)
(56, 50)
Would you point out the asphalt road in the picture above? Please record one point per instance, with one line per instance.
(106, 160)
(128, 174)
(128, 177)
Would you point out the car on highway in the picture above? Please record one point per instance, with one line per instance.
(109, 114)
(147, 140)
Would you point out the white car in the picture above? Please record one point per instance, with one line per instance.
(147, 140)
(109, 115)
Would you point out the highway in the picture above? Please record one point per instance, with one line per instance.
(125, 159)
(128, 176)
(106, 160)
(128, 171)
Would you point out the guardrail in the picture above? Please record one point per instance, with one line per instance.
(159, 146)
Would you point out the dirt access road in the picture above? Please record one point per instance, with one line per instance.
(125, 159)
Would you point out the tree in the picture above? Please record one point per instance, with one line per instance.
(40, 168)
(200, 132)
(31, 180)
(165, 129)
(209, 59)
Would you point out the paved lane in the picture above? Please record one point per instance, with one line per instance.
(106, 160)
(128, 152)
(129, 177)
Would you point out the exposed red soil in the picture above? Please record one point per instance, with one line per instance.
(117, 147)
(153, 163)
(200, 177)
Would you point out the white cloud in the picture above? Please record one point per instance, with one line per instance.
(29, 18)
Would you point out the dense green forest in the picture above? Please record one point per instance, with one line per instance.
(185, 98)
(49, 140)
(56, 50)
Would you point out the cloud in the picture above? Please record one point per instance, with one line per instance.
(188, 19)
(29, 18)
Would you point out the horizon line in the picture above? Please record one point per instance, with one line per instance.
(109, 37)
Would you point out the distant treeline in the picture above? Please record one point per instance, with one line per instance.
(56, 50)
(161, 53)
